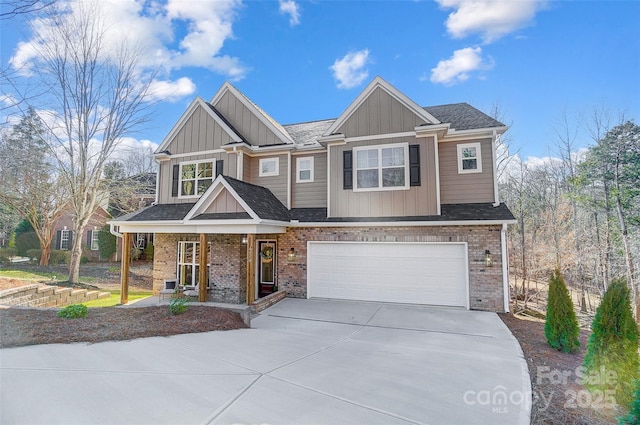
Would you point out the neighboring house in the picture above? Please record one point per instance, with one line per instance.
(389, 202)
(64, 235)
(141, 193)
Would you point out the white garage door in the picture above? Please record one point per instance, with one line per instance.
(417, 273)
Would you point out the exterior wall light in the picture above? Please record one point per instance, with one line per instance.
(292, 254)
(244, 240)
(488, 258)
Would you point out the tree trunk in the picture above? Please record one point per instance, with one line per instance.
(46, 253)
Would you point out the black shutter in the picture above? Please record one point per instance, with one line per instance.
(347, 170)
(414, 165)
(176, 180)
(58, 239)
(71, 239)
(219, 167)
(89, 239)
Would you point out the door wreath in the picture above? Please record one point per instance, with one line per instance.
(266, 253)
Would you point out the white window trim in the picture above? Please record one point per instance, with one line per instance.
(213, 176)
(298, 169)
(379, 148)
(140, 241)
(478, 157)
(94, 240)
(64, 237)
(276, 160)
(195, 261)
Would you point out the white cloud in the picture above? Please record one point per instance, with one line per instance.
(491, 19)
(350, 70)
(155, 30)
(291, 8)
(458, 68)
(171, 91)
(7, 100)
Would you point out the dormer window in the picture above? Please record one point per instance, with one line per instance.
(269, 167)
(304, 169)
(381, 167)
(195, 177)
(469, 158)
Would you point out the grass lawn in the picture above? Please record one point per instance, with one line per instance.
(114, 299)
(21, 274)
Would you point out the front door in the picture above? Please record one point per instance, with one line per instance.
(266, 268)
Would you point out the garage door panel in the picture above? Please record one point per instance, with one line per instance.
(395, 272)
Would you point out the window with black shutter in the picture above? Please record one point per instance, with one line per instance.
(414, 165)
(347, 170)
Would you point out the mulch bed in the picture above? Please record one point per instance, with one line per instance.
(21, 326)
(556, 399)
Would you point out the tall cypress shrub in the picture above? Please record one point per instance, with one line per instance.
(561, 326)
(613, 345)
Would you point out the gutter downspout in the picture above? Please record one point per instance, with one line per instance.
(496, 196)
(505, 268)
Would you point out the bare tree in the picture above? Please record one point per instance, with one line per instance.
(12, 8)
(97, 93)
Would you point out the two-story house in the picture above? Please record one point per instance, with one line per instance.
(391, 202)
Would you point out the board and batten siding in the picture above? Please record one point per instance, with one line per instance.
(276, 184)
(415, 201)
(224, 203)
(468, 188)
(310, 194)
(380, 113)
(165, 174)
(199, 133)
(245, 122)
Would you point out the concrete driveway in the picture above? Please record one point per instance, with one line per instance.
(303, 362)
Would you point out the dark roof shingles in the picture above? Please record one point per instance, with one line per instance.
(260, 199)
(162, 212)
(462, 116)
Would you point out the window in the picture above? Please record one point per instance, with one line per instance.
(141, 240)
(469, 159)
(269, 167)
(381, 168)
(94, 240)
(189, 263)
(304, 168)
(65, 238)
(195, 178)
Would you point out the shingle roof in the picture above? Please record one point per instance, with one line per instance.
(159, 212)
(260, 199)
(450, 212)
(462, 116)
(307, 133)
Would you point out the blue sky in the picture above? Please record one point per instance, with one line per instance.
(302, 61)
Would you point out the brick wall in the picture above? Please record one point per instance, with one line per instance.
(228, 258)
(485, 283)
(227, 269)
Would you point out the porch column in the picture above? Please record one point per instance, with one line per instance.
(124, 271)
(251, 272)
(202, 274)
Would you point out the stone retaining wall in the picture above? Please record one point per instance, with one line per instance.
(37, 295)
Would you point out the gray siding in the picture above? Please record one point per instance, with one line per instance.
(166, 174)
(276, 184)
(313, 194)
(416, 201)
(245, 122)
(224, 203)
(199, 133)
(465, 188)
(380, 114)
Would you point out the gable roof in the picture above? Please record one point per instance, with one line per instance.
(197, 102)
(462, 116)
(266, 119)
(379, 83)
